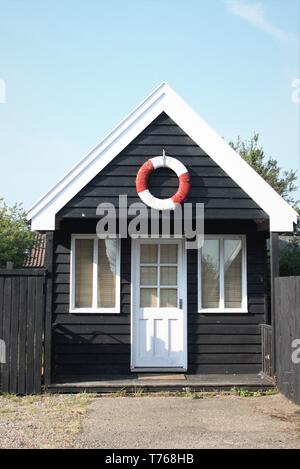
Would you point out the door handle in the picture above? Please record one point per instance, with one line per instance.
(180, 303)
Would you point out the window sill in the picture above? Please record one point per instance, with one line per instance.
(94, 311)
(223, 311)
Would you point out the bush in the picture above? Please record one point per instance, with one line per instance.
(289, 259)
(16, 239)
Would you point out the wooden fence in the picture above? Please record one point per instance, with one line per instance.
(22, 306)
(287, 336)
(266, 349)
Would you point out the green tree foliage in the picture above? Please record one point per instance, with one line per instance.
(16, 239)
(290, 258)
(284, 182)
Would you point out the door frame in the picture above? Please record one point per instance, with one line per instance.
(135, 243)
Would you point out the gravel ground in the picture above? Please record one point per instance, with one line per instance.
(178, 422)
(47, 421)
(86, 421)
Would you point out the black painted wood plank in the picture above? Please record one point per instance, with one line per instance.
(173, 150)
(62, 249)
(22, 335)
(94, 319)
(210, 214)
(30, 327)
(224, 358)
(214, 338)
(209, 202)
(225, 329)
(158, 129)
(49, 307)
(31, 272)
(226, 318)
(61, 288)
(63, 268)
(163, 119)
(122, 181)
(95, 338)
(196, 160)
(94, 349)
(88, 359)
(93, 193)
(14, 335)
(224, 348)
(62, 258)
(65, 372)
(171, 134)
(39, 329)
(7, 297)
(92, 329)
(225, 368)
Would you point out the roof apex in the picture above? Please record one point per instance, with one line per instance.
(162, 99)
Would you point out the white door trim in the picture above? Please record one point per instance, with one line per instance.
(135, 282)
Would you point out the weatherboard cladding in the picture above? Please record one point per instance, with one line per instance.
(91, 345)
(222, 197)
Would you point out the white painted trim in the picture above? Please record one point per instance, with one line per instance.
(135, 243)
(94, 309)
(163, 99)
(222, 309)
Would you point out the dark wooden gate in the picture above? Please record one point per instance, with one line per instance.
(22, 305)
(287, 336)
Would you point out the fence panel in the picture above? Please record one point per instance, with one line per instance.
(287, 336)
(22, 308)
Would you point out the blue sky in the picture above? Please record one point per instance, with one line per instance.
(74, 68)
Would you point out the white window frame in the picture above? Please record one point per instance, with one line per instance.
(222, 309)
(94, 308)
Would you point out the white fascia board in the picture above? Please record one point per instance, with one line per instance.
(42, 214)
(163, 99)
(282, 215)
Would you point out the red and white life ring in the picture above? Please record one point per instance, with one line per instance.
(142, 182)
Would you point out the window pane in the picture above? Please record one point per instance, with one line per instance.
(168, 298)
(168, 275)
(168, 253)
(107, 263)
(148, 275)
(210, 273)
(84, 273)
(233, 273)
(148, 297)
(148, 254)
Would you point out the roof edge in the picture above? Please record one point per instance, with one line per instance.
(163, 99)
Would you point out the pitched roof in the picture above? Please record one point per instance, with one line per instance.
(163, 99)
(36, 258)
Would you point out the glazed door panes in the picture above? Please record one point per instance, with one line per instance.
(158, 275)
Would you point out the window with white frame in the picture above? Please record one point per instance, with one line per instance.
(95, 274)
(222, 274)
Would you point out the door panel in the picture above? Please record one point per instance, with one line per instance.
(158, 323)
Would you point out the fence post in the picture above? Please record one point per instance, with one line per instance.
(48, 309)
(274, 272)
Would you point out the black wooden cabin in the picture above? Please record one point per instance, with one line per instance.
(111, 305)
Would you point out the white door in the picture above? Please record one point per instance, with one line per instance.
(158, 309)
